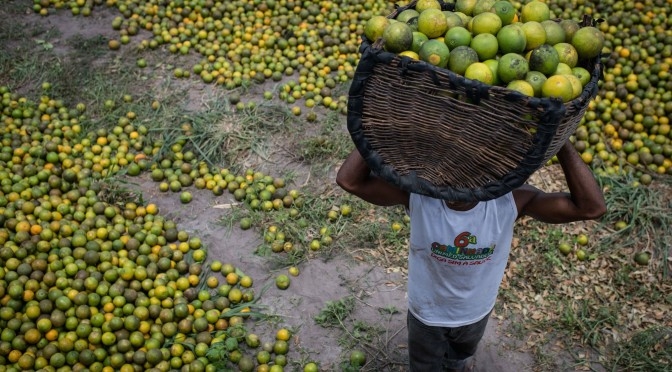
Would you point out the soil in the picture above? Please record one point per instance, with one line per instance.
(380, 295)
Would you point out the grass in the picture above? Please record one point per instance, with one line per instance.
(647, 351)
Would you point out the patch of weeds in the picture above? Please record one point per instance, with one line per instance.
(647, 351)
(88, 48)
(335, 312)
(331, 142)
(542, 359)
(582, 317)
(116, 190)
(646, 214)
(221, 136)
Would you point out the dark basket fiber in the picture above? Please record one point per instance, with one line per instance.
(430, 131)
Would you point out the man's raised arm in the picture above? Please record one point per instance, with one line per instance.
(584, 201)
(355, 177)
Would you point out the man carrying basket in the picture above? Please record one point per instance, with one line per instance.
(459, 251)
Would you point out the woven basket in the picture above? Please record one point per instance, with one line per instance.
(430, 131)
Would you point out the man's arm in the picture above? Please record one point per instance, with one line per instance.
(355, 177)
(583, 202)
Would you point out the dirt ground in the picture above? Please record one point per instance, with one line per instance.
(319, 282)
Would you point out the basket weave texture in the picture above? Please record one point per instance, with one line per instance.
(430, 131)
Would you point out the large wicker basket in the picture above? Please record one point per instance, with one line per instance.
(430, 131)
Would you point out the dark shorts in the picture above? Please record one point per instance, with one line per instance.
(441, 348)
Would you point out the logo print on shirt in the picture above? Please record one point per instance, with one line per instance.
(460, 250)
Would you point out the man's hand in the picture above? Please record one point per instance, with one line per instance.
(583, 202)
(355, 177)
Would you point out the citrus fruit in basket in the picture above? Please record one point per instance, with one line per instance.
(460, 58)
(457, 36)
(554, 32)
(493, 64)
(557, 86)
(577, 87)
(511, 67)
(465, 6)
(418, 39)
(535, 11)
(504, 10)
(433, 23)
(453, 19)
(410, 54)
(375, 27)
(562, 69)
(570, 27)
(544, 59)
(481, 72)
(588, 42)
(482, 6)
(407, 15)
(485, 45)
(398, 37)
(521, 86)
(567, 54)
(536, 79)
(486, 23)
(512, 39)
(435, 52)
(535, 35)
(582, 74)
(423, 5)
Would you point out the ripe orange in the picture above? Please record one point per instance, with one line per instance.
(479, 71)
(433, 23)
(588, 42)
(557, 86)
(398, 37)
(535, 11)
(535, 35)
(375, 26)
(512, 39)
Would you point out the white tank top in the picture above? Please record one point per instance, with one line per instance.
(457, 259)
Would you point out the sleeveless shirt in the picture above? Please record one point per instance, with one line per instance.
(457, 259)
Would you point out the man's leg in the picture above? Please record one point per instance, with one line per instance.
(463, 343)
(427, 346)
